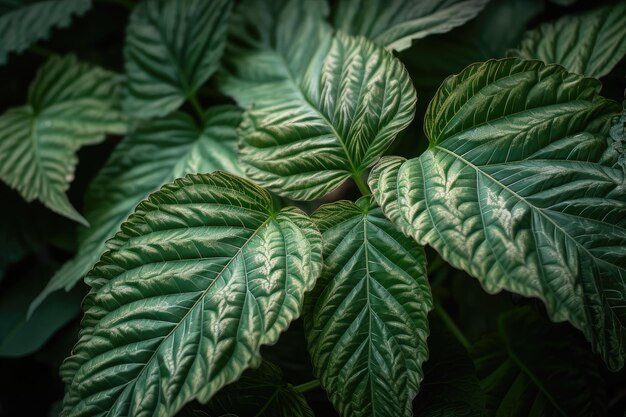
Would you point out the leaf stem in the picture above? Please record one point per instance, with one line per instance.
(451, 325)
(363, 188)
(197, 107)
(307, 386)
(41, 51)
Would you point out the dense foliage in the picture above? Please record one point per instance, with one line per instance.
(313, 207)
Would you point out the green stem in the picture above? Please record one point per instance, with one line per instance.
(451, 325)
(38, 50)
(436, 265)
(307, 386)
(197, 107)
(363, 188)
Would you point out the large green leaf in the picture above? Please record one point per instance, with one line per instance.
(172, 48)
(521, 189)
(199, 277)
(533, 368)
(394, 24)
(589, 44)
(24, 22)
(259, 392)
(320, 108)
(156, 153)
(70, 104)
(366, 320)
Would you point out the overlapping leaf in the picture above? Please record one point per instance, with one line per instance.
(589, 44)
(259, 392)
(394, 24)
(24, 22)
(521, 188)
(366, 320)
(156, 153)
(321, 108)
(172, 48)
(199, 277)
(70, 104)
(532, 368)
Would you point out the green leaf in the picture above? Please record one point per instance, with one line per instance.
(532, 368)
(156, 153)
(590, 44)
(451, 387)
(24, 22)
(259, 392)
(70, 104)
(521, 189)
(21, 336)
(172, 48)
(394, 24)
(199, 277)
(366, 320)
(320, 108)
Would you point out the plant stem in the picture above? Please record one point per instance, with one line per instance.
(436, 265)
(451, 325)
(197, 107)
(363, 188)
(38, 50)
(307, 386)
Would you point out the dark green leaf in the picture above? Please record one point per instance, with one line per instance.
(521, 188)
(366, 320)
(70, 104)
(590, 44)
(24, 22)
(259, 392)
(156, 153)
(172, 48)
(199, 277)
(321, 108)
(395, 23)
(533, 368)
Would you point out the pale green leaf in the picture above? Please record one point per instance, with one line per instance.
(590, 44)
(70, 104)
(533, 368)
(320, 108)
(24, 22)
(156, 153)
(172, 48)
(395, 23)
(199, 277)
(521, 188)
(259, 392)
(366, 321)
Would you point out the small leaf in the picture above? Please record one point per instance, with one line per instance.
(320, 108)
(259, 392)
(590, 44)
(172, 48)
(521, 189)
(156, 153)
(534, 368)
(394, 24)
(366, 320)
(199, 277)
(70, 104)
(23, 23)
